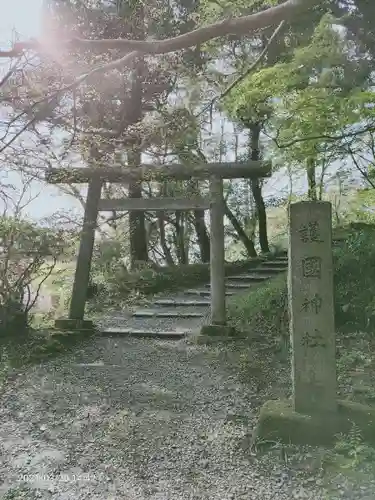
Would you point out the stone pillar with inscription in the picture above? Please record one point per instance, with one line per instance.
(314, 415)
(311, 305)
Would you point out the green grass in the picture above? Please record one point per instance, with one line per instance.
(262, 360)
(123, 286)
(118, 286)
(264, 309)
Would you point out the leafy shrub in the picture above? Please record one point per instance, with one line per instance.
(264, 309)
(28, 255)
(353, 446)
(107, 259)
(123, 284)
(355, 278)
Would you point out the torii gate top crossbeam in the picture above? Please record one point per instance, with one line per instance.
(236, 170)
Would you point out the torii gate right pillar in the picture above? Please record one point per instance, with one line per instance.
(218, 325)
(217, 254)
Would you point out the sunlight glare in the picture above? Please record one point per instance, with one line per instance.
(22, 16)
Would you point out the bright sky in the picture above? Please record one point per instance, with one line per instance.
(24, 18)
(21, 15)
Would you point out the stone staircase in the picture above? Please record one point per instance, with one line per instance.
(183, 314)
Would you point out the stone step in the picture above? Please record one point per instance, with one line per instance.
(270, 269)
(182, 303)
(238, 285)
(126, 332)
(275, 265)
(203, 293)
(235, 285)
(157, 313)
(275, 268)
(248, 277)
(233, 280)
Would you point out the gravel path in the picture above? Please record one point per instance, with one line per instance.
(154, 324)
(134, 419)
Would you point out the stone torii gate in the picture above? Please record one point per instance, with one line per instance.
(95, 177)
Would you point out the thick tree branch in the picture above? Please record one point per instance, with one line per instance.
(359, 168)
(324, 137)
(252, 67)
(243, 25)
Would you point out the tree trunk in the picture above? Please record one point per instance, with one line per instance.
(163, 241)
(200, 227)
(256, 190)
(202, 235)
(311, 180)
(180, 239)
(161, 224)
(137, 229)
(246, 241)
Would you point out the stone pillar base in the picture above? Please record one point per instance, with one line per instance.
(74, 324)
(279, 422)
(218, 331)
(211, 334)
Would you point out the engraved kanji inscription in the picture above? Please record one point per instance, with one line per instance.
(311, 374)
(313, 339)
(312, 267)
(312, 304)
(309, 233)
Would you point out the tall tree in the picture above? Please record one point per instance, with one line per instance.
(256, 188)
(105, 117)
(357, 17)
(321, 90)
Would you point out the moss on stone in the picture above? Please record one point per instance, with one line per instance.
(279, 422)
(66, 324)
(222, 331)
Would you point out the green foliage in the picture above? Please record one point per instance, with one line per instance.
(28, 256)
(355, 279)
(107, 259)
(353, 448)
(122, 284)
(361, 206)
(313, 66)
(323, 64)
(316, 94)
(263, 312)
(21, 237)
(150, 281)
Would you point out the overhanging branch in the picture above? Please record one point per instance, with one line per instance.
(244, 25)
(252, 68)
